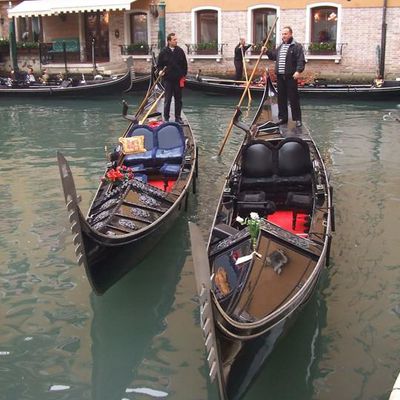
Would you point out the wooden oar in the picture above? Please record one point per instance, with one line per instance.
(263, 48)
(150, 110)
(149, 92)
(245, 74)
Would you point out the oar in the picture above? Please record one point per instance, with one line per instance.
(245, 74)
(150, 110)
(263, 48)
(149, 92)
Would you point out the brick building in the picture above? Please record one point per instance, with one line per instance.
(342, 39)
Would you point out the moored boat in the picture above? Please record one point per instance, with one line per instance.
(390, 90)
(75, 88)
(144, 188)
(269, 242)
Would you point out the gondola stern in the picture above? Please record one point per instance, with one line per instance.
(207, 320)
(75, 216)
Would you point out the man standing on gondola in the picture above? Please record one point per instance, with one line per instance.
(240, 49)
(173, 59)
(290, 63)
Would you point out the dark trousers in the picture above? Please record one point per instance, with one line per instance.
(239, 70)
(172, 88)
(287, 90)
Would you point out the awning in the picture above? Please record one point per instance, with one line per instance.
(30, 8)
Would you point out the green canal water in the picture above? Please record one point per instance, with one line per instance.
(142, 339)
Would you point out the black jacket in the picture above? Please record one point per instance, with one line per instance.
(238, 52)
(175, 61)
(294, 59)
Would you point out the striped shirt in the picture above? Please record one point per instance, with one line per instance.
(282, 57)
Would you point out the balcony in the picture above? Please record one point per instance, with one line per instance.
(138, 49)
(210, 50)
(323, 51)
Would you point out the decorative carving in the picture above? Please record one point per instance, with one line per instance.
(126, 223)
(139, 213)
(149, 201)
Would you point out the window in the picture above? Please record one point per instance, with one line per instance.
(323, 24)
(206, 33)
(207, 26)
(263, 19)
(323, 30)
(138, 23)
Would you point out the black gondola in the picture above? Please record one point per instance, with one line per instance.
(390, 90)
(74, 88)
(267, 247)
(140, 197)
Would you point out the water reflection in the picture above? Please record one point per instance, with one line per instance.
(128, 317)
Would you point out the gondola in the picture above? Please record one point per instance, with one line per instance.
(144, 189)
(74, 88)
(390, 90)
(269, 242)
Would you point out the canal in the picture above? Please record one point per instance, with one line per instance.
(142, 339)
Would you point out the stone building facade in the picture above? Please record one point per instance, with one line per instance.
(354, 52)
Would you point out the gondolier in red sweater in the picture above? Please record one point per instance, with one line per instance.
(173, 59)
(290, 63)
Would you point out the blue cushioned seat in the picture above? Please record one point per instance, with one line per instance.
(145, 158)
(170, 170)
(141, 177)
(170, 144)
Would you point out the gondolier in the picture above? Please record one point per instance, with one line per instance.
(240, 49)
(290, 63)
(174, 59)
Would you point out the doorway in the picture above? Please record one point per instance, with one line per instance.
(97, 35)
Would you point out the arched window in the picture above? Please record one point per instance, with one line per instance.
(263, 19)
(207, 26)
(206, 31)
(323, 28)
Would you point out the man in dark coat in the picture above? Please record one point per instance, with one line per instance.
(290, 63)
(173, 59)
(240, 49)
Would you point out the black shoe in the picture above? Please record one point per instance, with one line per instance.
(281, 121)
(166, 119)
(298, 124)
(179, 121)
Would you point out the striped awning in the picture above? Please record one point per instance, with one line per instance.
(31, 8)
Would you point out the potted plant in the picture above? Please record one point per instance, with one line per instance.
(28, 47)
(207, 48)
(137, 48)
(4, 46)
(256, 49)
(322, 48)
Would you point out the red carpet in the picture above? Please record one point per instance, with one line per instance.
(285, 219)
(160, 184)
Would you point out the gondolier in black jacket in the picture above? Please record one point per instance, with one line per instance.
(289, 65)
(240, 49)
(174, 59)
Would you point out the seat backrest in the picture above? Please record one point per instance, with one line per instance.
(258, 160)
(294, 157)
(147, 132)
(169, 136)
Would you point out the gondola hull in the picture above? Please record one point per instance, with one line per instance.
(108, 263)
(390, 91)
(108, 86)
(259, 279)
(145, 187)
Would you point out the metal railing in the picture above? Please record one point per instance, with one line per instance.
(323, 49)
(216, 49)
(138, 49)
